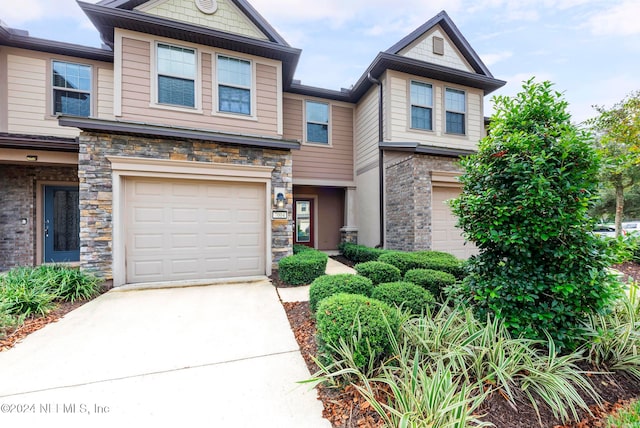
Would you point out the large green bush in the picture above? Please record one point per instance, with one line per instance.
(378, 272)
(432, 280)
(359, 253)
(524, 204)
(328, 285)
(345, 316)
(303, 267)
(404, 294)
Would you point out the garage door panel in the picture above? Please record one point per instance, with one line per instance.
(445, 236)
(193, 229)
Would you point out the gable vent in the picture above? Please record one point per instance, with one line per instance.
(207, 6)
(438, 45)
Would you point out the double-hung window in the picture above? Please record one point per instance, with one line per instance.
(234, 85)
(455, 106)
(176, 75)
(71, 89)
(317, 122)
(421, 106)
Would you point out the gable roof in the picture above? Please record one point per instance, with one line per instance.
(442, 19)
(107, 18)
(243, 5)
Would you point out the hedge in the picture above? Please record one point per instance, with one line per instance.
(303, 267)
(345, 316)
(435, 260)
(328, 285)
(404, 294)
(378, 272)
(431, 280)
(359, 253)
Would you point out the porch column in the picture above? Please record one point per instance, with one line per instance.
(349, 232)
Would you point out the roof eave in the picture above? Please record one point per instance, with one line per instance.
(418, 148)
(38, 142)
(153, 130)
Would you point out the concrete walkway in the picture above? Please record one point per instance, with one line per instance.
(211, 356)
(301, 294)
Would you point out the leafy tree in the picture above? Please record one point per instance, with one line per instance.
(526, 193)
(618, 142)
(605, 207)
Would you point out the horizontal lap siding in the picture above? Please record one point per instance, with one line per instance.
(367, 130)
(401, 120)
(136, 96)
(320, 162)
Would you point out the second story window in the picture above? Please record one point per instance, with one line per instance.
(176, 75)
(421, 106)
(455, 106)
(317, 122)
(234, 85)
(71, 89)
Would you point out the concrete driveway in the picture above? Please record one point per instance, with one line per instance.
(214, 356)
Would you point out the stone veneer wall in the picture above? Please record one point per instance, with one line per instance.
(18, 186)
(408, 189)
(96, 245)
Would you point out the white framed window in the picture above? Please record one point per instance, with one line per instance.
(455, 104)
(317, 122)
(72, 86)
(235, 84)
(176, 75)
(421, 95)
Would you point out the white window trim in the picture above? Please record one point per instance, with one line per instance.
(411, 104)
(197, 80)
(253, 115)
(54, 88)
(306, 141)
(466, 108)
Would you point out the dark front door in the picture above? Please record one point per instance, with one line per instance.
(61, 224)
(303, 218)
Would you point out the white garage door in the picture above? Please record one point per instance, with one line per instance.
(193, 229)
(445, 235)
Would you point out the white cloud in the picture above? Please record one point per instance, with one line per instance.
(622, 19)
(492, 58)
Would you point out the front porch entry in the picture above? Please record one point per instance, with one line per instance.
(61, 224)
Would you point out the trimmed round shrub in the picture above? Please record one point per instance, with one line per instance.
(404, 294)
(328, 285)
(378, 272)
(299, 248)
(359, 253)
(302, 268)
(400, 259)
(435, 260)
(431, 280)
(349, 316)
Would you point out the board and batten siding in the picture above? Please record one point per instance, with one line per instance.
(29, 92)
(422, 49)
(367, 130)
(401, 116)
(137, 103)
(318, 161)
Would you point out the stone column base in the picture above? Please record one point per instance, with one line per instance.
(349, 234)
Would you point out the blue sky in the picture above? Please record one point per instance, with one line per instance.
(589, 48)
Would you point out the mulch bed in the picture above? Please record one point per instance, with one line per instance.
(345, 408)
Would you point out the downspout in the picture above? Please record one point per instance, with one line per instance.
(380, 158)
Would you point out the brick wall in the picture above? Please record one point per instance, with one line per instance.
(96, 233)
(408, 189)
(18, 185)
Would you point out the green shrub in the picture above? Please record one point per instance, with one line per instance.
(302, 268)
(328, 285)
(406, 295)
(8, 321)
(299, 248)
(345, 316)
(435, 260)
(378, 272)
(21, 293)
(431, 280)
(359, 253)
(69, 284)
(525, 201)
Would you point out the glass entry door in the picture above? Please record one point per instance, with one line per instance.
(303, 218)
(61, 224)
